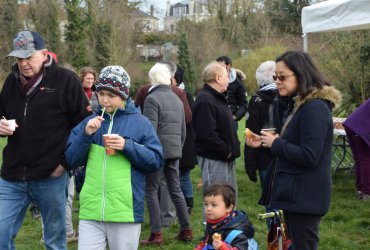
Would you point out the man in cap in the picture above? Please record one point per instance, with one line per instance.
(46, 101)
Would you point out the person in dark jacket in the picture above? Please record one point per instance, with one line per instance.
(357, 126)
(222, 219)
(299, 179)
(46, 101)
(189, 159)
(260, 109)
(236, 93)
(216, 141)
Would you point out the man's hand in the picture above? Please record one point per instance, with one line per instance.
(5, 128)
(59, 171)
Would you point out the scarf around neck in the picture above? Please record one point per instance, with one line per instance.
(28, 83)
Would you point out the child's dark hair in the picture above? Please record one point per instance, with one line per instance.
(223, 189)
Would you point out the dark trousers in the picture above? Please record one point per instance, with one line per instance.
(303, 230)
(360, 152)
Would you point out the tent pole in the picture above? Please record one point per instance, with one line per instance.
(305, 42)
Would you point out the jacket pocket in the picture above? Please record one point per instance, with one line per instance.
(286, 186)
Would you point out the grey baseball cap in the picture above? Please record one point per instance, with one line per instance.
(26, 43)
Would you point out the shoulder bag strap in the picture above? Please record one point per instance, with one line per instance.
(288, 119)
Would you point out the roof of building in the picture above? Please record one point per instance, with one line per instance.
(141, 14)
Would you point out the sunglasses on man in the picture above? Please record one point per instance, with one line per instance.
(281, 78)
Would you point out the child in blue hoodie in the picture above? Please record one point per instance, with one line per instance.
(112, 197)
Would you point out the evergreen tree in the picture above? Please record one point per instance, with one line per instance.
(76, 33)
(186, 62)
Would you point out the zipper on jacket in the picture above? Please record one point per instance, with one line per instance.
(25, 109)
(24, 120)
(105, 168)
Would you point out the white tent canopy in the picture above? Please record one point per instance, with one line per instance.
(335, 15)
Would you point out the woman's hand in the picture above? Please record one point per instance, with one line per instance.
(253, 140)
(93, 125)
(267, 138)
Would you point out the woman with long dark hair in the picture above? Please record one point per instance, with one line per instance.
(299, 179)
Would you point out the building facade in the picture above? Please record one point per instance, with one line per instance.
(144, 21)
(193, 10)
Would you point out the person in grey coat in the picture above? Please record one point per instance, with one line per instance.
(166, 112)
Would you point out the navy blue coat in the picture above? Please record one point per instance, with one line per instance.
(299, 179)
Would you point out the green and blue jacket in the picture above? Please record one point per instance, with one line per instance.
(114, 187)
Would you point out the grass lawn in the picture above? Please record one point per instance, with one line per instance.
(346, 226)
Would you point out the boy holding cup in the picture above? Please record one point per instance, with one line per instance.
(112, 198)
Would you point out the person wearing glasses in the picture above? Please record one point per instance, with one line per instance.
(299, 178)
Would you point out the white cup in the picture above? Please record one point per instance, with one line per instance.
(11, 124)
(269, 130)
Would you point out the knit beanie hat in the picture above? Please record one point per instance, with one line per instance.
(115, 79)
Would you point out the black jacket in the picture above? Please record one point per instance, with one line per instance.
(237, 220)
(215, 132)
(259, 117)
(189, 159)
(299, 180)
(45, 119)
(236, 97)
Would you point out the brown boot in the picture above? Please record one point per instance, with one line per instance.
(154, 239)
(185, 235)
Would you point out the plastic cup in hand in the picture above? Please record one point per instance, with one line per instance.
(269, 130)
(11, 124)
(109, 150)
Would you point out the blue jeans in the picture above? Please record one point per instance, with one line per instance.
(262, 173)
(185, 184)
(49, 194)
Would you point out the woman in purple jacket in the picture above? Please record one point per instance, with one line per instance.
(357, 127)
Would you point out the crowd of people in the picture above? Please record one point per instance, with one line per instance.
(87, 134)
